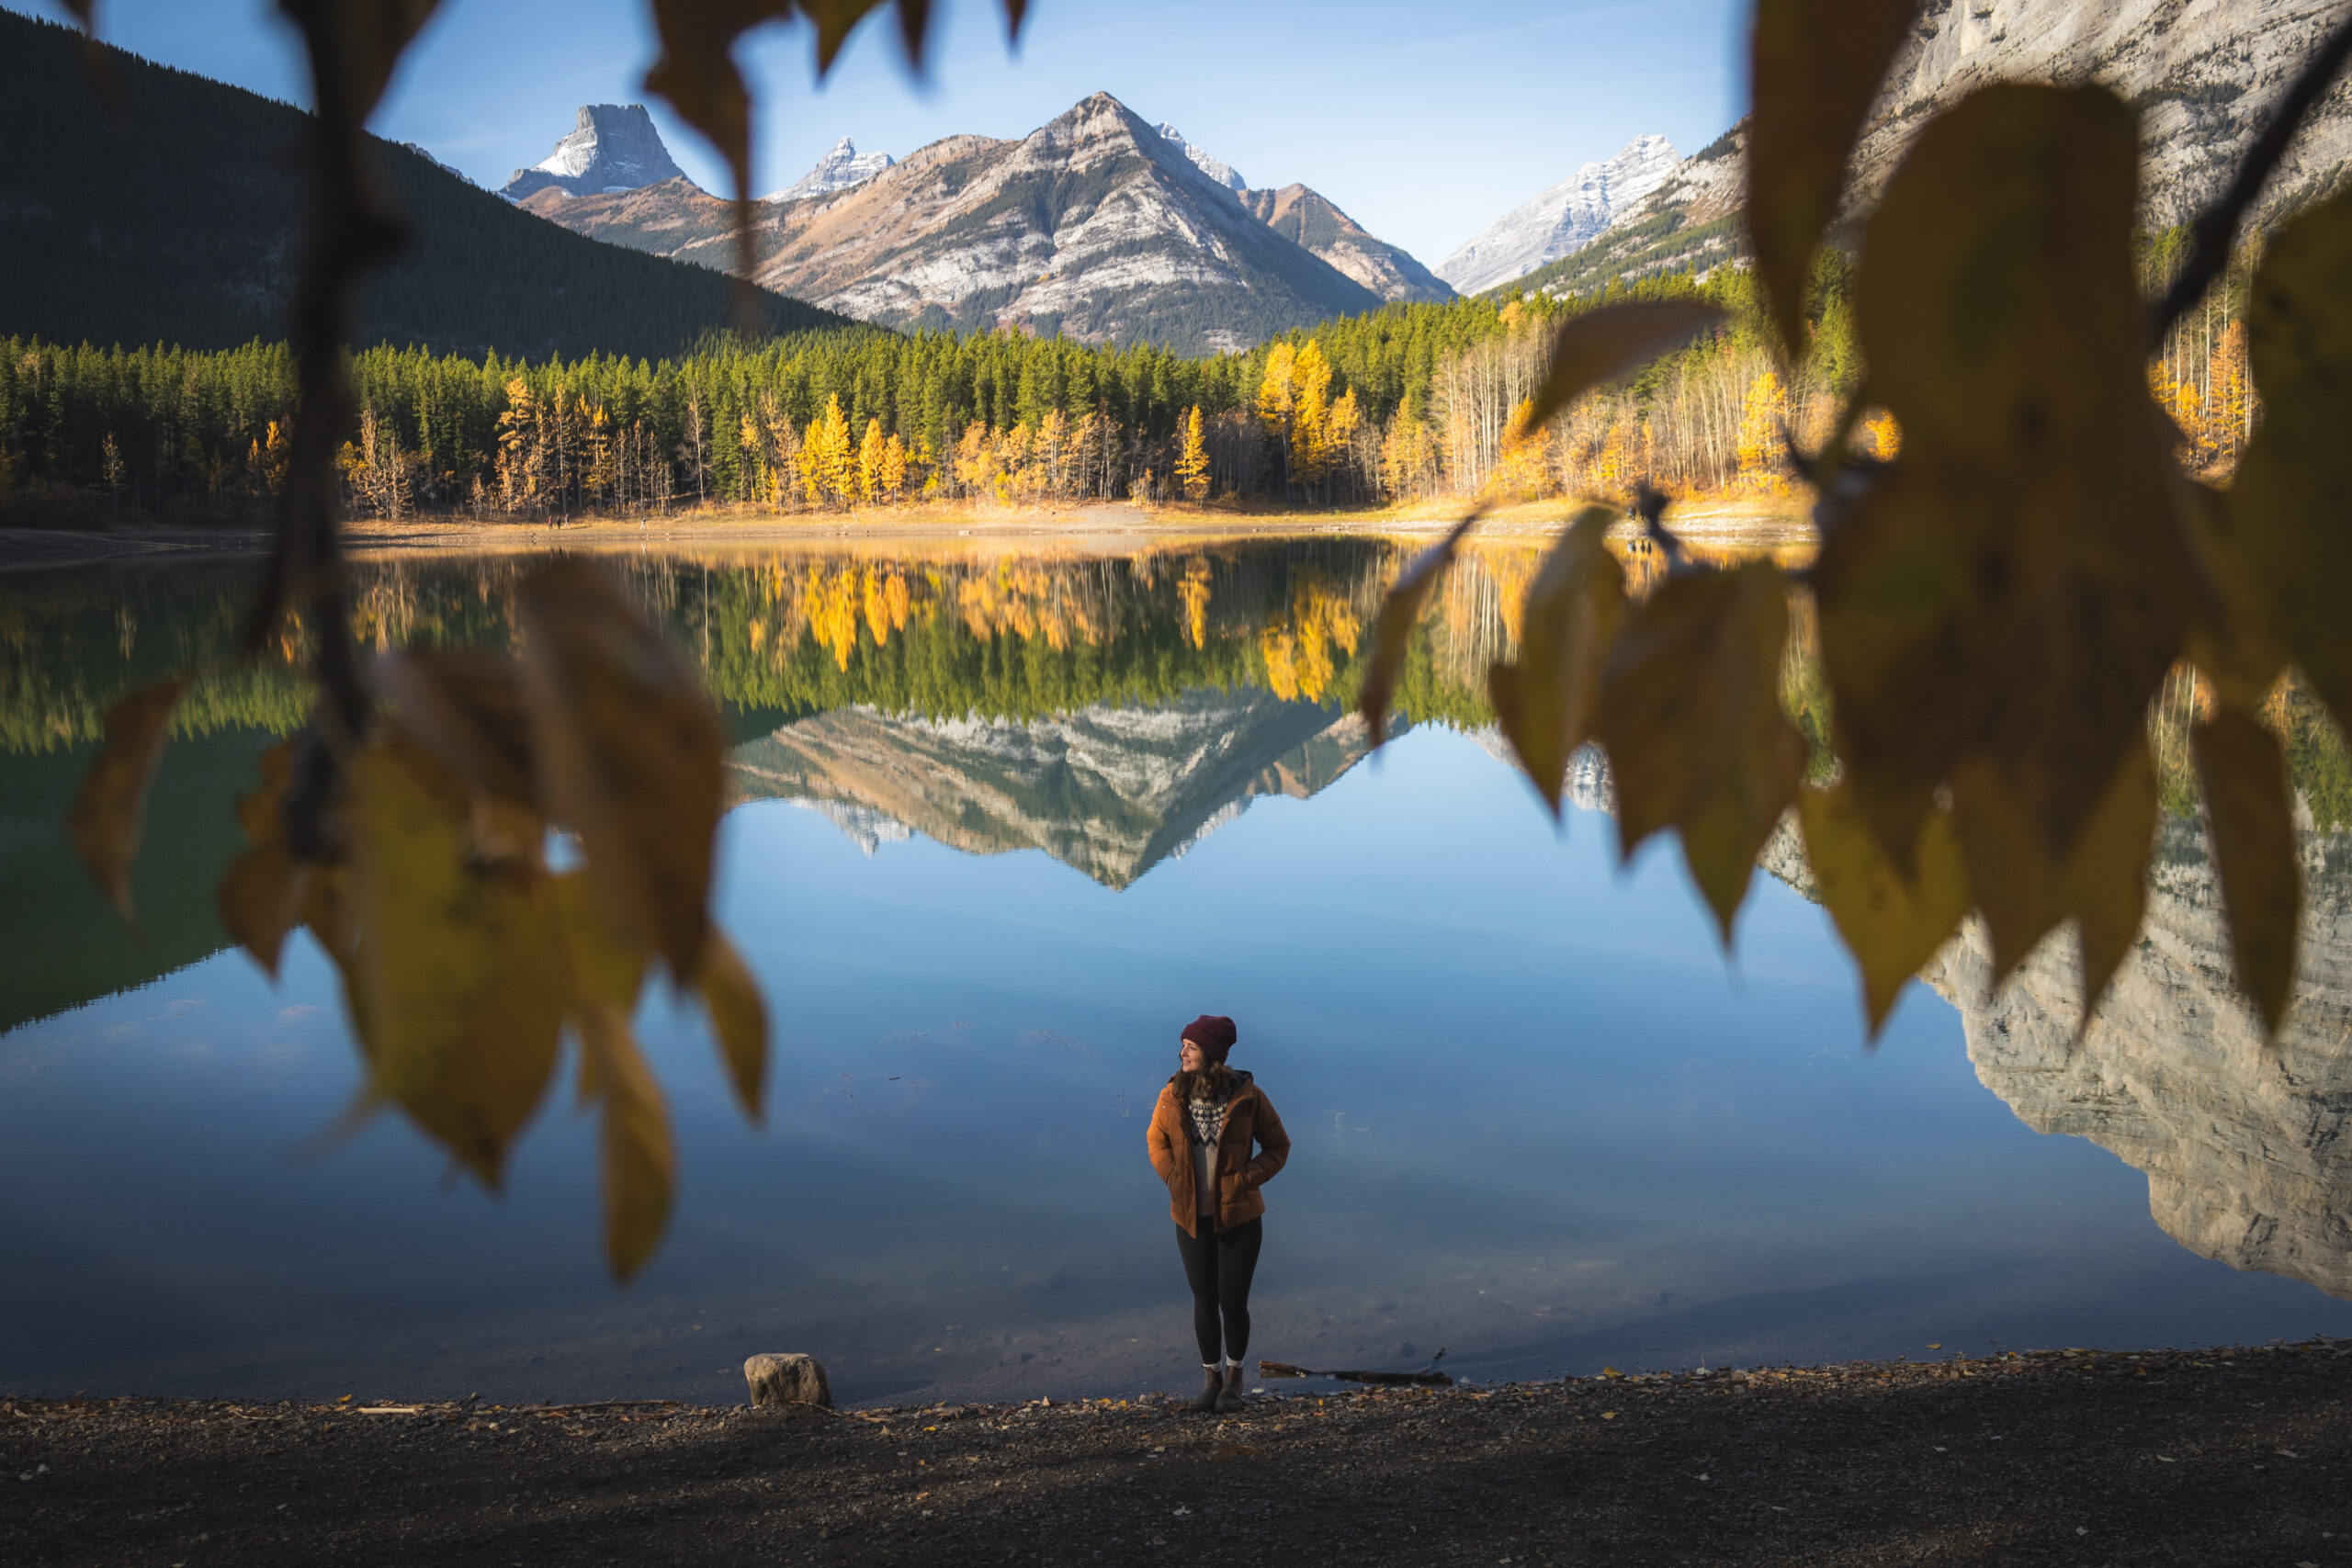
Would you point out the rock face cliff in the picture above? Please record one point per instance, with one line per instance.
(1216, 169)
(1109, 791)
(613, 148)
(1097, 225)
(2244, 1143)
(1311, 221)
(1562, 219)
(2204, 75)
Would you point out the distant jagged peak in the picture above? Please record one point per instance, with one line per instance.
(613, 147)
(1216, 169)
(1563, 219)
(839, 169)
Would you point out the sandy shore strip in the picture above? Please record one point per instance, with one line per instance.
(2077, 1457)
(1115, 529)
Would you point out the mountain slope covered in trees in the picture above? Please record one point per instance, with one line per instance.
(172, 211)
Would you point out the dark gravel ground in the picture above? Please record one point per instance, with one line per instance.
(2220, 1457)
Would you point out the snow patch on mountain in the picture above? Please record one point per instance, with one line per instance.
(1562, 219)
(613, 147)
(1216, 169)
(838, 170)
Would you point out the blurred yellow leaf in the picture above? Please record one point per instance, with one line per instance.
(1691, 714)
(1892, 921)
(1597, 346)
(111, 807)
(358, 43)
(1815, 67)
(630, 754)
(459, 976)
(2014, 586)
(639, 1165)
(2250, 804)
(1400, 611)
(465, 707)
(2234, 642)
(2291, 509)
(739, 1018)
(1545, 702)
(2024, 892)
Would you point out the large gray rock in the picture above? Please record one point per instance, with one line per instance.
(787, 1380)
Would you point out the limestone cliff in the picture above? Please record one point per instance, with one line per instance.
(2243, 1143)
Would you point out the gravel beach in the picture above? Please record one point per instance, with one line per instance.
(2077, 1457)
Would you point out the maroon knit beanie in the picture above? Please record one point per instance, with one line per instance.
(1213, 1033)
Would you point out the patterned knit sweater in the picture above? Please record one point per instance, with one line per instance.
(1205, 1118)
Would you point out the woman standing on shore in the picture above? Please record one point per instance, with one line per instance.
(1201, 1133)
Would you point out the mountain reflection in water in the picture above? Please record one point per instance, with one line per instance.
(1625, 1155)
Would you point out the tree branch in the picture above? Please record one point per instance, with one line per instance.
(2216, 228)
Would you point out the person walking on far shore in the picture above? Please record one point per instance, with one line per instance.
(1201, 1133)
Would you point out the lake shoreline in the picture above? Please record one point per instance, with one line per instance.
(2158, 1457)
(1107, 528)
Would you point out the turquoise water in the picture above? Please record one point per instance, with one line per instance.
(1540, 1121)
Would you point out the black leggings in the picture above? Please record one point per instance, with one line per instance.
(1218, 1265)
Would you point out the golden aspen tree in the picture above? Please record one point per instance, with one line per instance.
(1193, 464)
(1882, 438)
(894, 470)
(870, 462)
(1275, 394)
(1310, 408)
(1761, 413)
(1339, 430)
(840, 459)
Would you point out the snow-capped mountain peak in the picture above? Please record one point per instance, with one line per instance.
(613, 147)
(838, 170)
(1562, 219)
(1216, 169)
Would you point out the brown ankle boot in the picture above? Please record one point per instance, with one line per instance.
(1209, 1391)
(1228, 1398)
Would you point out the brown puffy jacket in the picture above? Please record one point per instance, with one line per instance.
(1239, 1176)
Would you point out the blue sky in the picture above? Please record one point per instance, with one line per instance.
(1423, 121)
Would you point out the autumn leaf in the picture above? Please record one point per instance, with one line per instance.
(630, 754)
(738, 1020)
(1400, 611)
(2234, 642)
(260, 896)
(2250, 805)
(2013, 588)
(1817, 66)
(1892, 921)
(1691, 714)
(1545, 702)
(465, 707)
(639, 1165)
(2291, 509)
(111, 808)
(1597, 346)
(359, 42)
(458, 980)
(2024, 892)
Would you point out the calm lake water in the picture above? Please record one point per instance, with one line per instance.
(1005, 823)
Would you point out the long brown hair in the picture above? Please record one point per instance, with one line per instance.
(1212, 1082)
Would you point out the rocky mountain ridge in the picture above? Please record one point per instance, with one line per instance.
(613, 147)
(1096, 224)
(839, 169)
(1110, 791)
(1216, 169)
(2203, 74)
(1561, 220)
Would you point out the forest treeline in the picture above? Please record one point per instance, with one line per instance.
(1412, 403)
